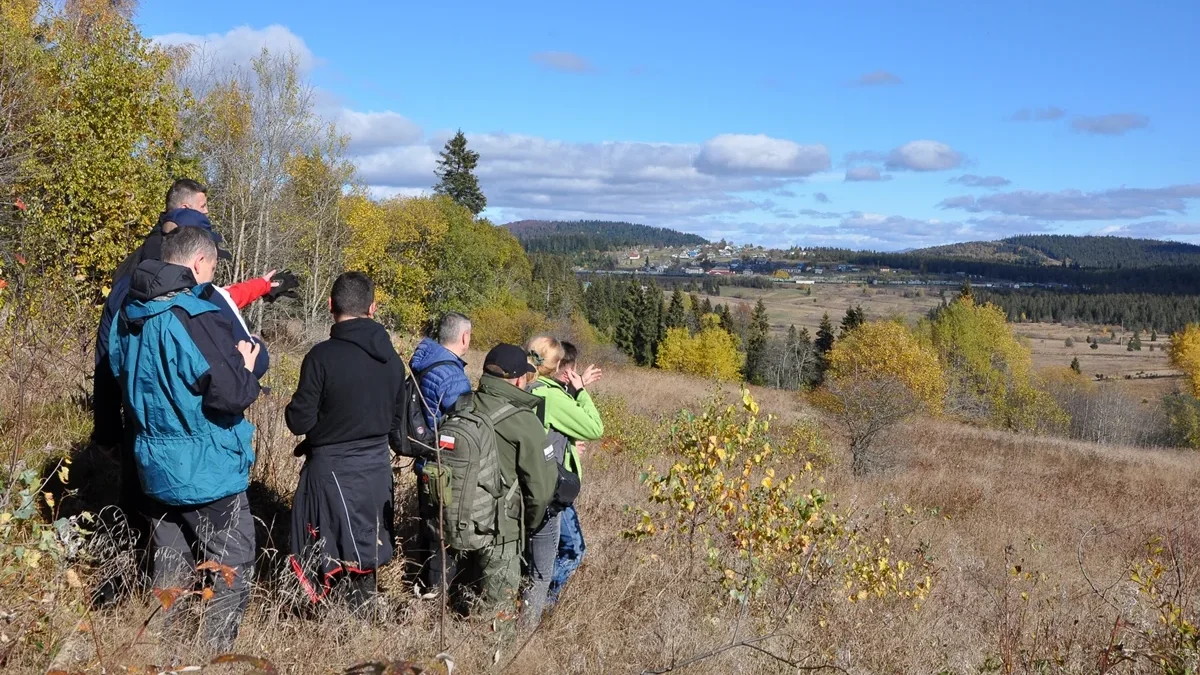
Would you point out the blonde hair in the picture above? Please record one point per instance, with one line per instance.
(545, 353)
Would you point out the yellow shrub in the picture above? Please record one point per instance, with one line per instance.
(710, 353)
(888, 349)
(1185, 355)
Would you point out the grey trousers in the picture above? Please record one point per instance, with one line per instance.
(539, 570)
(220, 532)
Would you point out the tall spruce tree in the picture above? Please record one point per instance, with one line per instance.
(706, 307)
(456, 174)
(726, 319)
(649, 320)
(824, 345)
(965, 292)
(628, 320)
(825, 337)
(855, 317)
(756, 343)
(697, 312)
(676, 314)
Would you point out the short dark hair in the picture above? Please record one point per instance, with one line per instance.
(353, 294)
(182, 190)
(451, 327)
(185, 243)
(570, 354)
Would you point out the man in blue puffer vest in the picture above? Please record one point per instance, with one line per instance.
(441, 373)
(187, 383)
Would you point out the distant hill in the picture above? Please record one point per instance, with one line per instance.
(1065, 250)
(579, 236)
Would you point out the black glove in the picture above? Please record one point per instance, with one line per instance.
(302, 449)
(283, 284)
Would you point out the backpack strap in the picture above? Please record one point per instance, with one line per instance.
(502, 413)
(418, 374)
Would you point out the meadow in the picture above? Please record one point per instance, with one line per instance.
(1029, 541)
(1145, 374)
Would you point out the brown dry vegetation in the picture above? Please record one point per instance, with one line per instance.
(1071, 517)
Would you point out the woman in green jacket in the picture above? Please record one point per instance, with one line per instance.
(570, 412)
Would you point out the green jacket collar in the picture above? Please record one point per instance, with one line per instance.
(494, 386)
(551, 382)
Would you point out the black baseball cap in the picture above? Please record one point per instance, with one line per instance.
(507, 361)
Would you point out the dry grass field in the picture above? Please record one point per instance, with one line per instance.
(1030, 540)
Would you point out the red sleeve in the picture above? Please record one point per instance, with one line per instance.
(248, 291)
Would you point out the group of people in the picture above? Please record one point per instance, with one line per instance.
(497, 466)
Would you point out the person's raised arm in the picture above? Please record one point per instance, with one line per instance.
(577, 417)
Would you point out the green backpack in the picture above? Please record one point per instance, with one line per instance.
(468, 484)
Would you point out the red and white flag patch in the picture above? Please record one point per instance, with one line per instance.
(446, 442)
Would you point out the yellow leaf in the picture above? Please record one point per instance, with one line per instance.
(73, 579)
(49, 499)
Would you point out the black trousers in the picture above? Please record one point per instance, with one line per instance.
(221, 532)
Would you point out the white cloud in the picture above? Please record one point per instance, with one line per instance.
(1110, 125)
(372, 130)
(238, 47)
(760, 154)
(1113, 204)
(1153, 229)
(924, 155)
(864, 173)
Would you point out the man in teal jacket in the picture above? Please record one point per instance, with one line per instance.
(187, 383)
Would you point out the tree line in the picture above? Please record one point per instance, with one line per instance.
(1132, 311)
(566, 237)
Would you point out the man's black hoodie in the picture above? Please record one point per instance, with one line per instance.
(351, 387)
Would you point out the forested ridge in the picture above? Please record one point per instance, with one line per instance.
(580, 236)
(1087, 252)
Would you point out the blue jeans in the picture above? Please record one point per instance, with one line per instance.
(571, 548)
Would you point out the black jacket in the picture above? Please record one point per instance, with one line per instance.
(351, 387)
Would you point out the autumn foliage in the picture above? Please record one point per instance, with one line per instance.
(711, 352)
(883, 349)
(1185, 355)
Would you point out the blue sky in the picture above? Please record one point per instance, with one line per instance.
(777, 123)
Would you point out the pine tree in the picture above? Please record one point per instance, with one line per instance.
(1075, 366)
(854, 318)
(825, 336)
(1154, 336)
(823, 344)
(676, 315)
(706, 307)
(1135, 343)
(456, 174)
(965, 293)
(697, 312)
(726, 319)
(628, 320)
(756, 343)
(649, 320)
